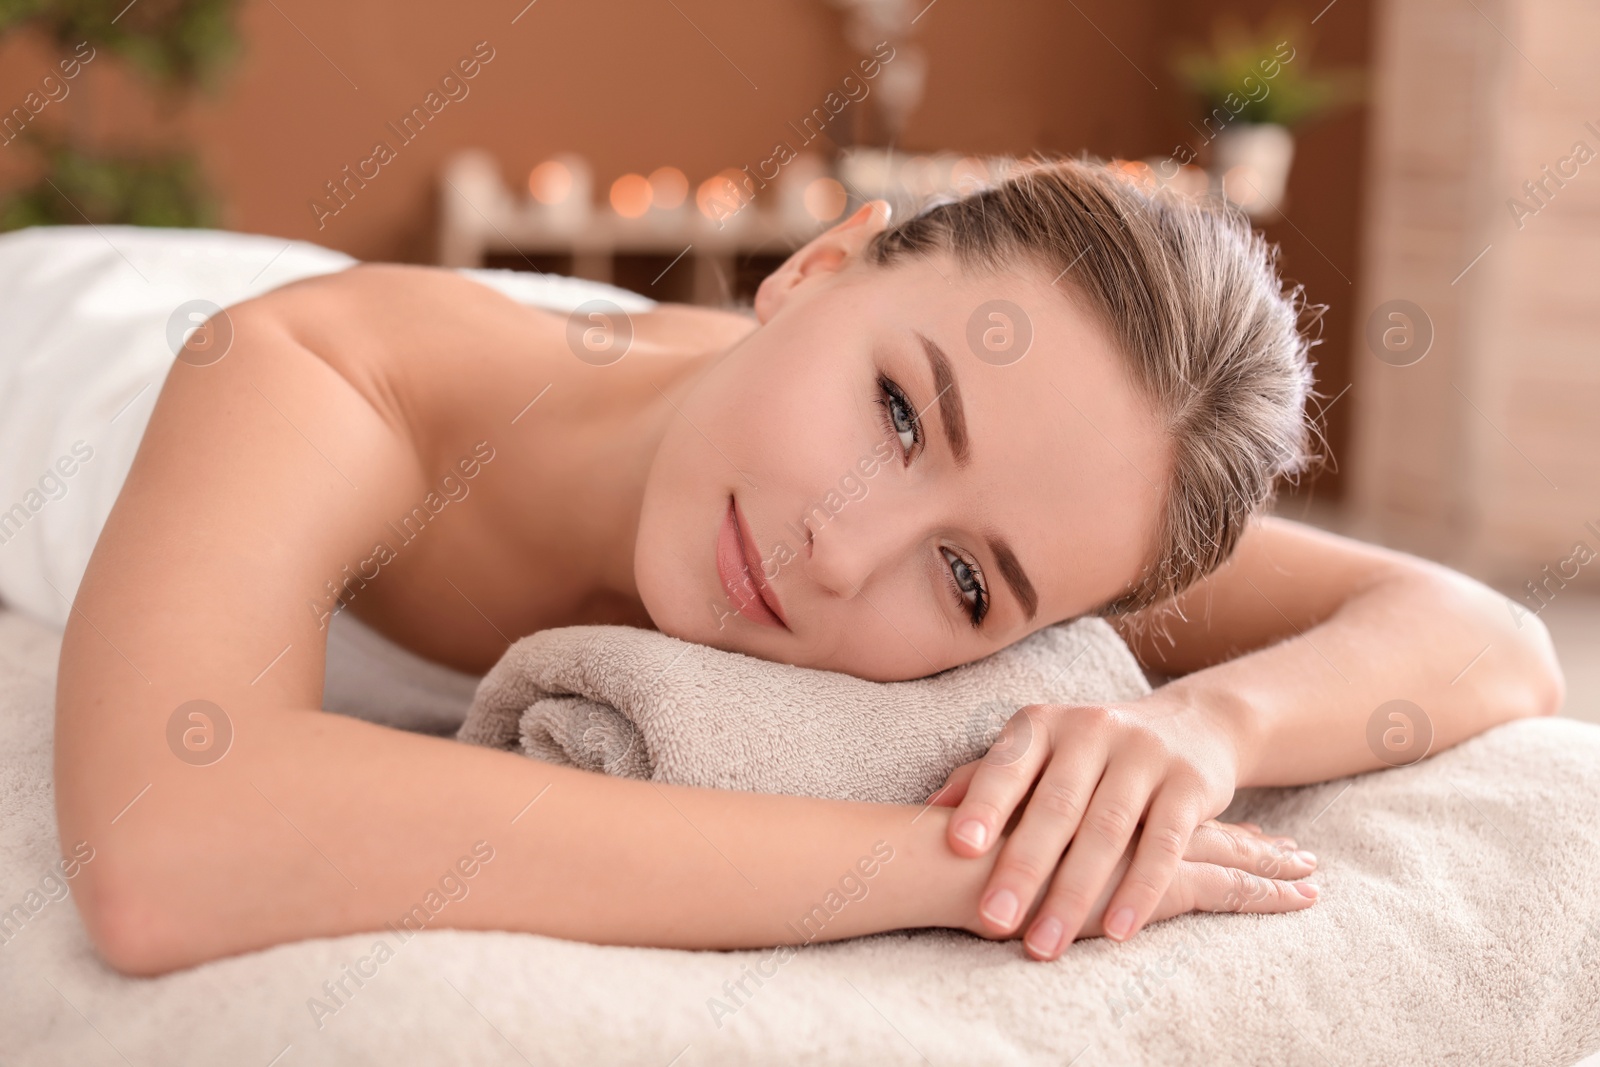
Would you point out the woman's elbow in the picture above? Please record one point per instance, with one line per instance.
(125, 900)
(1525, 674)
(1544, 667)
(1532, 680)
(131, 936)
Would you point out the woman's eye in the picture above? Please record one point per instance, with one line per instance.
(902, 421)
(972, 597)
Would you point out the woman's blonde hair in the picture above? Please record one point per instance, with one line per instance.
(1191, 294)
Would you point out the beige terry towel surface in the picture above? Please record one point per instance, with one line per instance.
(1459, 923)
(639, 704)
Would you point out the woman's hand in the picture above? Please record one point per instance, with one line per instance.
(1095, 772)
(1227, 867)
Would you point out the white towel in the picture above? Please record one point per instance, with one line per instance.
(83, 355)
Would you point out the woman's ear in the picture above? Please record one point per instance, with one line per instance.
(827, 253)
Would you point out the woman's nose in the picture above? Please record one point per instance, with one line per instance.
(844, 551)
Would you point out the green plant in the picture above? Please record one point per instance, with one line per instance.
(180, 46)
(179, 43)
(1264, 75)
(135, 190)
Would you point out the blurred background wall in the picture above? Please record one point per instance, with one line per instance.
(698, 84)
(1481, 452)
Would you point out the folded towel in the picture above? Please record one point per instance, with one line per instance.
(639, 704)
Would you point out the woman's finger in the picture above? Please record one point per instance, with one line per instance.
(1215, 888)
(1228, 845)
(1163, 843)
(955, 787)
(1034, 848)
(1099, 842)
(1002, 778)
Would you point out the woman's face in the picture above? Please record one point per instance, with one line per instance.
(877, 463)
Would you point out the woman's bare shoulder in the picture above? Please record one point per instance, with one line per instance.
(404, 303)
(397, 310)
(433, 346)
(429, 348)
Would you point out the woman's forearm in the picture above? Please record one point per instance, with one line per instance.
(1312, 707)
(319, 825)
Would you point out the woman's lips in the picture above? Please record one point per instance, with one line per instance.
(743, 583)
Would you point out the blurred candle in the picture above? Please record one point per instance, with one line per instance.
(669, 188)
(550, 182)
(1136, 172)
(793, 181)
(630, 196)
(968, 174)
(562, 188)
(919, 177)
(721, 199)
(825, 199)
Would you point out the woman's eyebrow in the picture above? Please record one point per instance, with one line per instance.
(953, 418)
(1011, 570)
(951, 415)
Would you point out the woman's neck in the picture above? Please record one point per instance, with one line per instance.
(597, 447)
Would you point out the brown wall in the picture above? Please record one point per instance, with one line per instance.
(636, 85)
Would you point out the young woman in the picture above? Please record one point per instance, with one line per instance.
(1109, 455)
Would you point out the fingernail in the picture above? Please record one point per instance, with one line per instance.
(972, 832)
(1001, 907)
(1045, 937)
(1120, 923)
(1307, 890)
(1307, 857)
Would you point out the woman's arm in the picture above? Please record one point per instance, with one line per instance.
(1288, 653)
(1323, 630)
(259, 479)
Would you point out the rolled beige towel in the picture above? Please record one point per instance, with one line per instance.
(639, 704)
